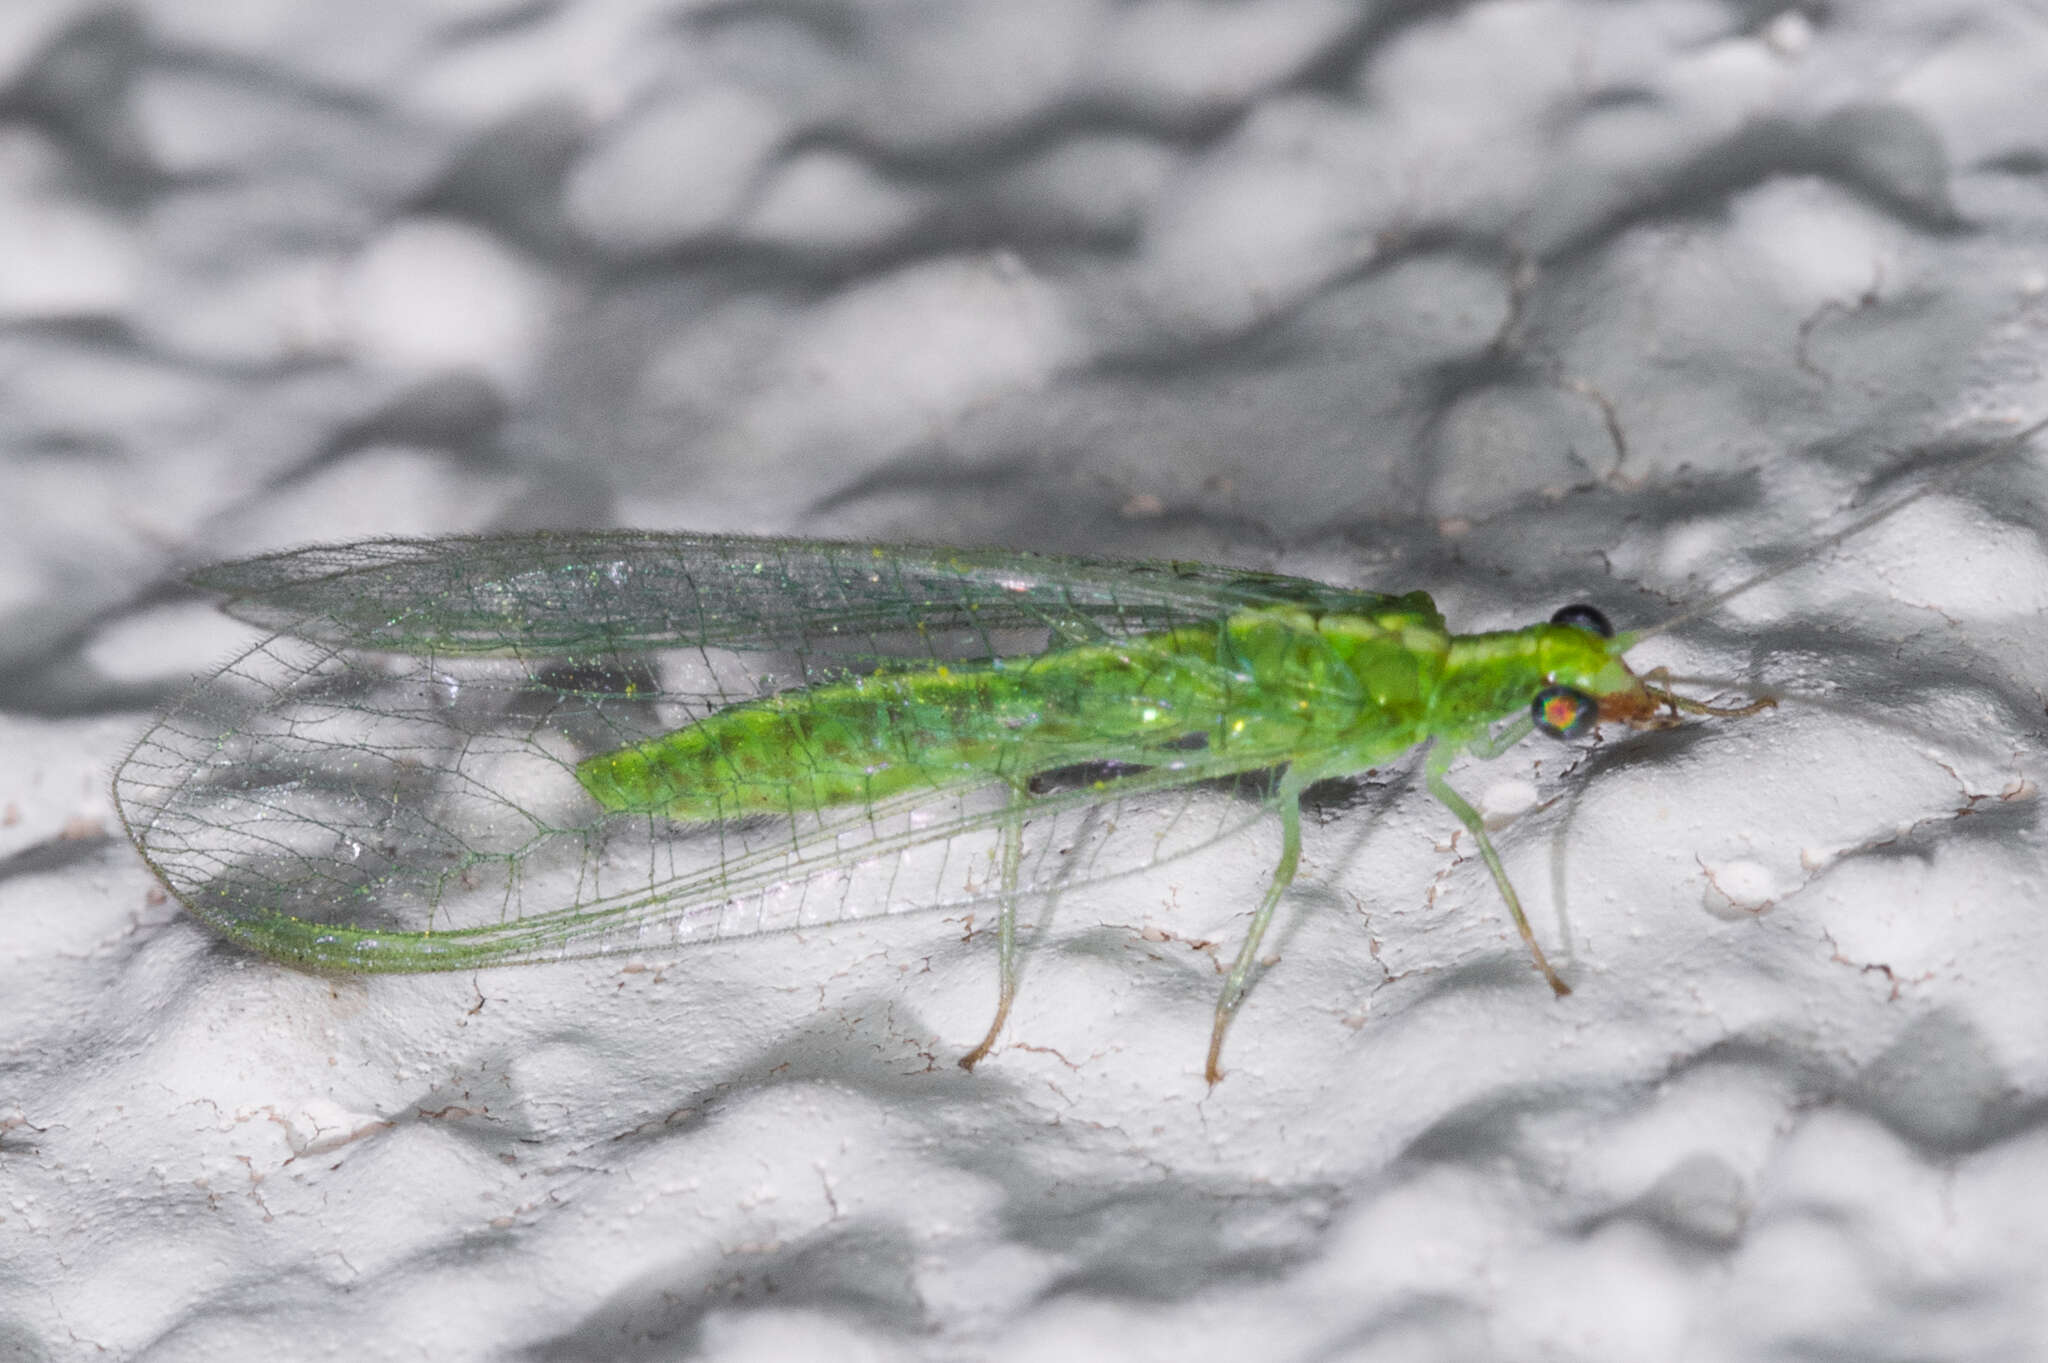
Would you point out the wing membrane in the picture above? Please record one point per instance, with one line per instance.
(369, 810)
(628, 590)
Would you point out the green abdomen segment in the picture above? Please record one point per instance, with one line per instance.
(862, 739)
(1255, 689)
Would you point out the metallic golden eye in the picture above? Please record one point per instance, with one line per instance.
(1563, 712)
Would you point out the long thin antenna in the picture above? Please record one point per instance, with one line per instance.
(1947, 478)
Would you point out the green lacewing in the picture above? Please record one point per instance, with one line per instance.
(482, 750)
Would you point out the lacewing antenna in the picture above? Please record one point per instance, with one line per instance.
(1946, 479)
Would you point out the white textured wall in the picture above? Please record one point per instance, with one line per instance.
(1521, 302)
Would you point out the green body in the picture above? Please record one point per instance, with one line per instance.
(1336, 690)
(1323, 689)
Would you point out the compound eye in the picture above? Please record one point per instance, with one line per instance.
(1582, 616)
(1563, 712)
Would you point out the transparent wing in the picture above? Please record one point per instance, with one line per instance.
(629, 590)
(344, 805)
